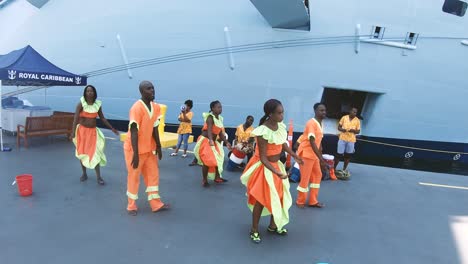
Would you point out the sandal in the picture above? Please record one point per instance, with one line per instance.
(83, 178)
(300, 205)
(220, 180)
(281, 232)
(132, 212)
(255, 237)
(100, 181)
(163, 208)
(173, 154)
(205, 184)
(317, 205)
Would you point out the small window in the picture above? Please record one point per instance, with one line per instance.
(455, 7)
(377, 32)
(411, 38)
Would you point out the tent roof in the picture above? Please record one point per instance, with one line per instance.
(26, 67)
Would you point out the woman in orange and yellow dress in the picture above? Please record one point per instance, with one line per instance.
(88, 139)
(208, 150)
(265, 176)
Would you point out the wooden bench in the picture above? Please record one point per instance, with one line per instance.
(37, 126)
(63, 113)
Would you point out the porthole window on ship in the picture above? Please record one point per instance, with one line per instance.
(377, 32)
(455, 7)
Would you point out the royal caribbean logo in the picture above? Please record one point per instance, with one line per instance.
(11, 74)
(78, 80)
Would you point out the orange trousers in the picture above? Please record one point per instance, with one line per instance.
(311, 176)
(148, 166)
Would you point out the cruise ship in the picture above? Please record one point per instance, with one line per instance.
(402, 63)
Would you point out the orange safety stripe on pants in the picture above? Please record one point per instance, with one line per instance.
(311, 176)
(148, 166)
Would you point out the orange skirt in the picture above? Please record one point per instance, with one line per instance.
(210, 156)
(267, 189)
(90, 143)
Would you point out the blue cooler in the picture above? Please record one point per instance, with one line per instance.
(295, 173)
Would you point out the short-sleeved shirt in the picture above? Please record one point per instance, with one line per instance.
(312, 129)
(146, 120)
(300, 139)
(244, 135)
(346, 124)
(185, 127)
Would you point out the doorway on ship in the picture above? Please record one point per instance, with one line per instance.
(339, 102)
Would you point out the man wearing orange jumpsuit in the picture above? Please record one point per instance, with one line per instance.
(141, 147)
(311, 153)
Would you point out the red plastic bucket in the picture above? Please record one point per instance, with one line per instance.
(25, 184)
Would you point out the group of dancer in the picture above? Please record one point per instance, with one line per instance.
(264, 176)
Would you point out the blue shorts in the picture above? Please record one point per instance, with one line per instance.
(345, 147)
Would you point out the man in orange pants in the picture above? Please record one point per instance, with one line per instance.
(311, 153)
(140, 149)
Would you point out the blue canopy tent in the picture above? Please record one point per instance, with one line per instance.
(26, 67)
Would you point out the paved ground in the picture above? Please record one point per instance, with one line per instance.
(381, 216)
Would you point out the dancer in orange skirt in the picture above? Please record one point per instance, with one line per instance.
(208, 150)
(265, 176)
(140, 149)
(310, 150)
(88, 139)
